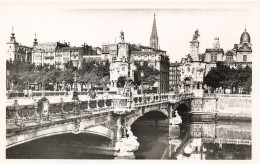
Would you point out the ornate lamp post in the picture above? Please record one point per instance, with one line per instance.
(142, 75)
(75, 89)
(43, 87)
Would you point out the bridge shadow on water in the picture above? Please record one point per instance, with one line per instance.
(152, 131)
(64, 146)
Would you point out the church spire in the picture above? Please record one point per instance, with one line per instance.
(154, 30)
(35, 43)
(154, 36)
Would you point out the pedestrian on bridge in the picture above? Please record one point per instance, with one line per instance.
(25, 93)
(30, 93)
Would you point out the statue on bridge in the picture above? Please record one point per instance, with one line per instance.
(127, 145)
(176, 119)
(122, 36)
(196, 35)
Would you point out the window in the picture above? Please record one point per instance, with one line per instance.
(244, 58)
(229, 58)
(213, 57)
(123, 68)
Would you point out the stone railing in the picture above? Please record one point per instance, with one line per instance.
(233, 95)
(56, 93)
(227, 95)
(143, 100)
(42, 111)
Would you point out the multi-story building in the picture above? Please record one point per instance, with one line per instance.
(155, 57)
(152, 54)
(213, 55)
(92, 53)
(109, 52)
(174, 77)
(58, 54)
(158, 59)
(243, 50)
(16, 51)
(51, 53)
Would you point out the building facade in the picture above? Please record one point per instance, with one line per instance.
(174, 77)
(109, 52)
(158, 59)
(59, 54)
(193, 69)
(16, 51)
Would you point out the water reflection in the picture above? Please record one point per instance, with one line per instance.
(195, 140)
(158, 140)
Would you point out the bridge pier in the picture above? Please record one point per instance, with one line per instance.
(125, 143)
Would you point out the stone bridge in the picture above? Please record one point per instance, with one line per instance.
(111, 118)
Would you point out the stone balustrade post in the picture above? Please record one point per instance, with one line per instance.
(113, 103)
(123, 122)
(36, 115)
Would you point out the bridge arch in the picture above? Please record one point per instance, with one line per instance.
(59, 129)
(183, 110)
(133, 119)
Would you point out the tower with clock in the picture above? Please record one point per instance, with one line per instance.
(121, 68)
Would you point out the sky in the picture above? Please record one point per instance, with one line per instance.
(101, 24)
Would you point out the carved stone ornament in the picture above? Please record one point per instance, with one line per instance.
(122, 111)
(127, 145)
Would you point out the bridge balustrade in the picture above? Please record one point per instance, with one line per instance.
(55, 93)
(16, 113)
(21, 114)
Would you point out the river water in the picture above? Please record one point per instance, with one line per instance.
(193, 140)
(190, 140)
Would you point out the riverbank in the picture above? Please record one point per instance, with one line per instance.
(234, 117)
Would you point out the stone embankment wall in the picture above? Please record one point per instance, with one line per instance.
(239, 107)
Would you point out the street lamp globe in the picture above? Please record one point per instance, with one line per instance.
(142, 73)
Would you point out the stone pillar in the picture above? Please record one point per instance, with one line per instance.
(118, 133)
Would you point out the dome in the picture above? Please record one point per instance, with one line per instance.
(245, 37)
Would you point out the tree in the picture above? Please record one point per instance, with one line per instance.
(225, 77)
(151, 75)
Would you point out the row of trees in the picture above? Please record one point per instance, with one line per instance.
(20, 75)
(226, 77)
(91, 72)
